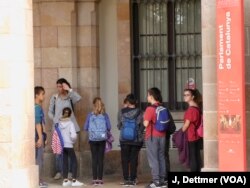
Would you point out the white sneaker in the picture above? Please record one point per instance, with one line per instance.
(77, 183)
(66, 183)
(58, 176)
(69, 175)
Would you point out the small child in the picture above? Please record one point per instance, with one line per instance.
(98, 125)
(69, 136)
(40, 138)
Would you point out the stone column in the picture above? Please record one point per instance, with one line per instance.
(88, 67)
(209, 84)
(123, 49)
(17, 150)
(88, 52)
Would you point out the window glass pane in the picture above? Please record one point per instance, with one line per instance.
(197, 16)
(198, 44)
(153, 47)
(190, 15)
(178, 17)
(191, 44)
(188, 46)
(184, 17)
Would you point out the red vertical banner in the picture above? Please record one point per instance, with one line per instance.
(231, 85)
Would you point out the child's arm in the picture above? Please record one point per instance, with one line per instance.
(108, 124)
(73, 134)
(51, 112)
(119, 124)
(86, 124)
(39, 142)
(74, 96)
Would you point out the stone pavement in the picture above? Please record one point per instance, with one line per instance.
(109, 182)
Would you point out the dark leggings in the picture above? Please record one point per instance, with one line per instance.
(69, 153)
(194, 156)
(129, 157)
(97, 151)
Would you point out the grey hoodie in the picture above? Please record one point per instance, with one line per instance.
(132, 113)
(57, 104)
(68, 132)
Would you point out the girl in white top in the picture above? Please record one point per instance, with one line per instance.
(69, 136)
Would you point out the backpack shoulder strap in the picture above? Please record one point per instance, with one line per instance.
(59, 134)
(55, 96)
(72, 105)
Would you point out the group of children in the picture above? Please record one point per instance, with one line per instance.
(132, 123)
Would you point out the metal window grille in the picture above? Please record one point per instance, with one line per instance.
(166, 48)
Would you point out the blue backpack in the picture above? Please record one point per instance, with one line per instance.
(97, 128)
(129, 129)
(162, 118)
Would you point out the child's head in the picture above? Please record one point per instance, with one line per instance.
(125, 103)
(193, 95)
(66, 112)
(98, 106)
(39, 93)
(130, 99)
(154, 95)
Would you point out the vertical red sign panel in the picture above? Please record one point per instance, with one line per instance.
(231, 85)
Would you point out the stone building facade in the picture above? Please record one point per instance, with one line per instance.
(89, 43)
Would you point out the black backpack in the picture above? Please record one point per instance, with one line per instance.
(171, 126)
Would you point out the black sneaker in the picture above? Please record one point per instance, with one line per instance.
(132, 183)
(126, 183)
(153, 185)
(164, 184)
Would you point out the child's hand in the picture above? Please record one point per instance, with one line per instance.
(39, 143)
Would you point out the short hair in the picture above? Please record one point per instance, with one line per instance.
(131, 99)
(67, 111)
(63, 80)
(156, 93)
(38, 90)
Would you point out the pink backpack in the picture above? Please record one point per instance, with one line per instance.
(199, 130)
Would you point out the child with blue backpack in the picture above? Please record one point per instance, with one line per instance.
(131, 138)
(155, 137)
(97, 124)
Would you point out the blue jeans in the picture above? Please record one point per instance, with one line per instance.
(39, 160)
(59, 164)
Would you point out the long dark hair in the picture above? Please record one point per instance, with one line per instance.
(197, 96)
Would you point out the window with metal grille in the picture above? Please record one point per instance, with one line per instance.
(166, 48)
